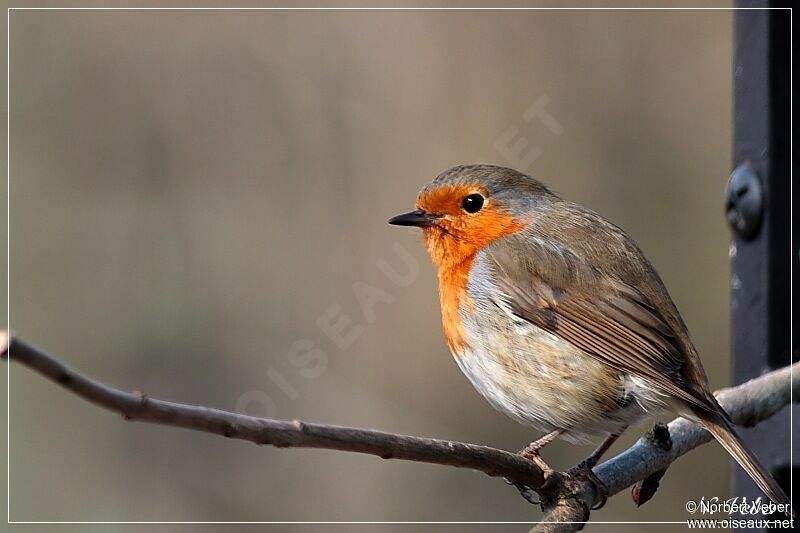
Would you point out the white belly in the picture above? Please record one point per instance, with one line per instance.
(540, 380)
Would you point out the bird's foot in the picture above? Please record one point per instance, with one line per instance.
(531, 453)
(584, 470)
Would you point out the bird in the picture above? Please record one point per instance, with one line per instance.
(558, 319)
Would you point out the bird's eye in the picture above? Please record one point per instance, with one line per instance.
(472, 203)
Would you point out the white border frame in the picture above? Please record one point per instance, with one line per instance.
(8, 230)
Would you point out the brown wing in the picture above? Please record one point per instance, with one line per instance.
(544, 283)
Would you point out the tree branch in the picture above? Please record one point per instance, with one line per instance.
(565, 498)
(279, 433)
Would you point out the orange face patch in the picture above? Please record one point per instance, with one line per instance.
(447, 200)
(453, 242)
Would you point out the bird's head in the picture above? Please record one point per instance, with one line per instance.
(467, 207)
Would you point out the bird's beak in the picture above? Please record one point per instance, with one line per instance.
(417, 218)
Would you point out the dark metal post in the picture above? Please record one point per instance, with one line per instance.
(762, 256)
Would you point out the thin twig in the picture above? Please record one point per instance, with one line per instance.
(280, 433)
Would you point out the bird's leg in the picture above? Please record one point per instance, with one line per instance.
(595, 456)
(584, 468)
(531, 451)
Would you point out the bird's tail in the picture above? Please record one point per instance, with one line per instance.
(722, 430)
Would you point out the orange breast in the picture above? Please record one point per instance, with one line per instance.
(453, 252)
(452, 296)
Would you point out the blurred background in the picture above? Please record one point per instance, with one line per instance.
(195, 195)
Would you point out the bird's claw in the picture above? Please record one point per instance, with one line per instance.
(584, 470)
(532, 454)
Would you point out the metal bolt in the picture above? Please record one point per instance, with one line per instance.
(744, 201)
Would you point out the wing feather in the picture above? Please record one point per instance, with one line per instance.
(554, 289)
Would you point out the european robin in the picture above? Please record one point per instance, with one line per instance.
(557, 318)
